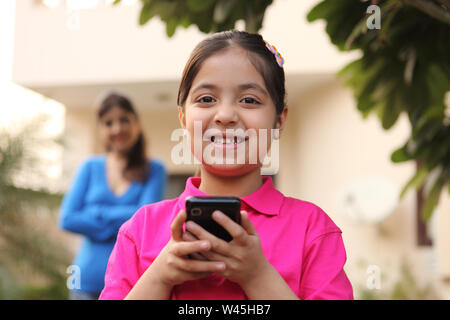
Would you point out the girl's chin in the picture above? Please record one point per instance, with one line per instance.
(230, 169)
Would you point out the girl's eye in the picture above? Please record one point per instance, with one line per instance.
(124, 120)
(205, 99)
(108, 123)
(249, 100)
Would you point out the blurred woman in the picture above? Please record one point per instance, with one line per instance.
(107, 190)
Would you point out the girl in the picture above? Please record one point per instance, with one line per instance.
(284, 248)
(108, 190)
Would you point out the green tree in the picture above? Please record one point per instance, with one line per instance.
(32, 263)
(404, 67)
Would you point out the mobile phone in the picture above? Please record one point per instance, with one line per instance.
(200, 209)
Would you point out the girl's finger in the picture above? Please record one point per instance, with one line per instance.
(218, 245)
(184, 248)
(206, 255)
(235, 230)
(194, 266)
(176, 228)
(247, 224)
(187, 236)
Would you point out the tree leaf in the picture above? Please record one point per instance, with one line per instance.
(320, 11)
(416, 181)
(185, 21)
(200, 5)
(432, 199)
(392, 110)
(400, 155)
(171, 26)
(438, 84)
(223, 10)
(147, 12)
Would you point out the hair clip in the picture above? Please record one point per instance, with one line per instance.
(277, 55)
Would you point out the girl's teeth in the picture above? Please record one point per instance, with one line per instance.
(220, 140)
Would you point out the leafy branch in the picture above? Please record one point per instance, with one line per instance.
(404, 68)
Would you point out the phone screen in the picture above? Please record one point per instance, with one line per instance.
(200, 209)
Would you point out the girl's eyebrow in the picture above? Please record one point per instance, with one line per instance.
(204, 86)
(252, 85)
(242, 87)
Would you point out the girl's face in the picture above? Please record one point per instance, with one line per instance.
(119, 130)
(229, 98)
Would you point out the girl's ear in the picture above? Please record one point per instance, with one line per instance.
(281, 121)
(181, 117)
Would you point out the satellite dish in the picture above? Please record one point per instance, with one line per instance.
(368, 200)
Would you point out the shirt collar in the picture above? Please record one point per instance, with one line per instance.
(266, 199)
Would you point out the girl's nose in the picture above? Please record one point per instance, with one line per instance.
(226, 115)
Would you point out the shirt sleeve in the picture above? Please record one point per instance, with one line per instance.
(323, 276)
(122, 271)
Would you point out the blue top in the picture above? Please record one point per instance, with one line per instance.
(90, 208)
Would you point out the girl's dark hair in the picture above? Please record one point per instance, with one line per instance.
(137, 166)
(262, 59)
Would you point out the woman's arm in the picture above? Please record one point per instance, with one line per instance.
(76, 216)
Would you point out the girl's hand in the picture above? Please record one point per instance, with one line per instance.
(243, 256)
(172, 266)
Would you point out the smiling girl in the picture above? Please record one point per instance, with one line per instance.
(284, 248)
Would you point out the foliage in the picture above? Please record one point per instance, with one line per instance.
(207, 15)
(404, 68)
(32, 263)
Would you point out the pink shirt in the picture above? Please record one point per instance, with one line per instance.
(297, 237)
